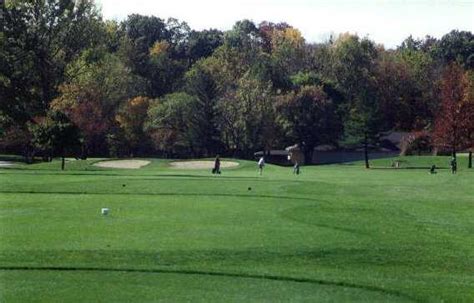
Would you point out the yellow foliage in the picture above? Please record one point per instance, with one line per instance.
(289, 36)
(294, 36)
(343, 38)
(159, 48)
(67, 98)
(134, 112)
(469, 78)
(139, 101)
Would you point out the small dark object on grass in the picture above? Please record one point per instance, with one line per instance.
(249, 188)
(454, 165)
(433, 169)
(123, 185)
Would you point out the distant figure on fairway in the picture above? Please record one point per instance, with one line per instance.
(433, 169)
(454, 165)
(261, 164)
(217, 166)
(296, 168)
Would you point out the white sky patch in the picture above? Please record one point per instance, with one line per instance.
(388, 22)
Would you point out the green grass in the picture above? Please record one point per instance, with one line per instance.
(336, 233)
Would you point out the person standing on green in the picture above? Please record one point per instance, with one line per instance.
(217, 166)
(454, 165)
(261, 164)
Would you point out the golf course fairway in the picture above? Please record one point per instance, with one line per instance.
(334, 233)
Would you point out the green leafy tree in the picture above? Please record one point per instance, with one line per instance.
(201, 44)
(200, 84)
(55, 134)
(246, 116)
(40, 38)
(171, 123)
(156, 50)
(97, 85)
(308, 117)
(288, 50)
(353, 70)
(362, 125)
(404, 91)
(410, 73)
(456, 46)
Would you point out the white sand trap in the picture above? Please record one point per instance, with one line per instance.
(201, 164)
(5, 163)
(129, 164)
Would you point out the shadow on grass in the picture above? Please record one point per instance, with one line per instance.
(163, 194)
(405, 168)
(370, 288)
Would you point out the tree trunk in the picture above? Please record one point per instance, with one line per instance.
(84, 151)
(28, 154)
(470, 160)
(366, 151)
(62, 162)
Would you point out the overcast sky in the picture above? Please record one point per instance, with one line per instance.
(385, 21)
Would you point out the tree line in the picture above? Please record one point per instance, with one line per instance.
(74, 83)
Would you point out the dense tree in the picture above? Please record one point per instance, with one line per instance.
(455, 116)
(308, 118)
(55, 134)
(201, 44)
(171, 124)
(267, 30)
(131, 119)
(15, 137)
(97, 85)
(470, 103)
(245, 116)
(179, 35)
(243, 35)
(41, 37)
(353, 70)
(206, 92)
(201, 85)
(456, 46)
(421, 99)
(404, 89)
(155, 50)
(288, 50)
(145, 30)
(165, 72)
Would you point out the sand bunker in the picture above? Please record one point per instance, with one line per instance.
(5, 163)
(201, 164)
(129, 164)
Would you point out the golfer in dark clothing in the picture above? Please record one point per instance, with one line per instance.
(217, 166)
(454, 165)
